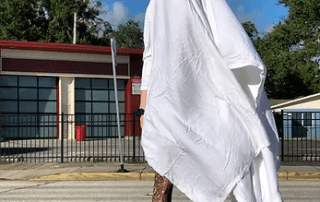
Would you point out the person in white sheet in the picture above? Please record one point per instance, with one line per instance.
(207, 125)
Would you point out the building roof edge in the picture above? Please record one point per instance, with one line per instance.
(64, 47)
(295, 101)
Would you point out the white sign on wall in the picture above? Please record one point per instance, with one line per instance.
(136, 88)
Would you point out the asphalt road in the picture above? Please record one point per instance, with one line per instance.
(123, 191)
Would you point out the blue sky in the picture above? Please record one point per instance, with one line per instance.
(263, 13)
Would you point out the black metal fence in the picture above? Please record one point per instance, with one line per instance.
(299, 133)
(42, 138)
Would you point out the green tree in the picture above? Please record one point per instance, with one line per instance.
(251, 30)
(21, 20)
(51, 20)
(129, 35)
(289, 51)
(104, 39)
(60, 17)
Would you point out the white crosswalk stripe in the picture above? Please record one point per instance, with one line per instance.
(123, 191)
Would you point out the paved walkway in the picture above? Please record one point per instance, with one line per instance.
(108, 171)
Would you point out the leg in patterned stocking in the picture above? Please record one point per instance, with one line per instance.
(162, 191)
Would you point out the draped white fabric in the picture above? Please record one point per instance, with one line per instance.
(205, 126)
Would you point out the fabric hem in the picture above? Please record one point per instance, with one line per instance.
(246, 170)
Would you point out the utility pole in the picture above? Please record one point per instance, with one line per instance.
(75, 28)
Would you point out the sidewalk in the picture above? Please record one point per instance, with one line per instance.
(108, 171)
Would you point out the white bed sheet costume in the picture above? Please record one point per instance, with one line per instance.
(208, 126)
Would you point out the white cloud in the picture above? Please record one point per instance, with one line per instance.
(247, 16)
(118, 14)
(240, 9)
(115, 14)
(140, 18)
(269, 28)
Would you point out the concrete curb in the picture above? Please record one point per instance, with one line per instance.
(298, 176)
(98, 176)
(150, 176)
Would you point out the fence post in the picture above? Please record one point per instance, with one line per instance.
(62, 138)
(134, 135)
(282, 136)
